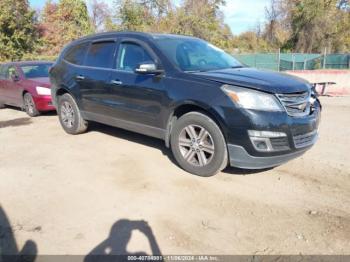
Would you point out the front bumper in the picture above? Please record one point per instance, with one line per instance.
(44, 103)
(300, 135)
(240, 158)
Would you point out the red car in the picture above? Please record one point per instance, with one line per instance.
(26, 85)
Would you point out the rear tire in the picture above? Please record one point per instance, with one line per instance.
(198, 145)
(70, 116)
(29, 105)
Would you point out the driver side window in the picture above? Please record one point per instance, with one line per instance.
(12, 72)
(130, 55)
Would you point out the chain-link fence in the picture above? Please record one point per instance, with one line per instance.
(295, 61)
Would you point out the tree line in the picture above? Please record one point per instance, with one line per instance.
(291, 25)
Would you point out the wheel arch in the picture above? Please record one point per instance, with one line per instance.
(192, 106)
(59, 92)
(25, 91)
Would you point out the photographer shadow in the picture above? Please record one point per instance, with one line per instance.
(8, 247)
(114, 248)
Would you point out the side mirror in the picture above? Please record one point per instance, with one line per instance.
(148, 69)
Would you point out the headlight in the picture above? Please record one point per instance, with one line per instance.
(251, 99)
(43, 91)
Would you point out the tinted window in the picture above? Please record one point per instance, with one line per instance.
(11, 72)
(76, 54)
(130, 55)
(3, 72)
(100, 55)
(34, 71)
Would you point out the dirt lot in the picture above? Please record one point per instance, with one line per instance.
(114, 191)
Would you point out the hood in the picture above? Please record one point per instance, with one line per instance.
(263, 80)
(42, 81)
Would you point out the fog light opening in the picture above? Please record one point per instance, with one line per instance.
(261, 139)
(261, 145)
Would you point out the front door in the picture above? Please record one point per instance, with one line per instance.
(12, 87)
(3, 82)
(136, 98)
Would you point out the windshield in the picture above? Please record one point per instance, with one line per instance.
(35, 71)
(191, 54)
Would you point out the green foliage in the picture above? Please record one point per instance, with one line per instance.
(18, 29)
(38, 57)
(251, 42)
(200, 18)
(134, 16)
(292, 25)
(310, 25)
(63, 22)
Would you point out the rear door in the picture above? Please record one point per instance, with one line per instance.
(95, 76)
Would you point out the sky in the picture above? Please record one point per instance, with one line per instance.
(240, 15)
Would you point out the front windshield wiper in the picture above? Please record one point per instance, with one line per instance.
(213, 69)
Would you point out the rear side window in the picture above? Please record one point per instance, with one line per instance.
(101, 54)
(3, 71)
(76, 54)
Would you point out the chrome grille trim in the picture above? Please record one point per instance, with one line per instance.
(304, 140)
(296, 104)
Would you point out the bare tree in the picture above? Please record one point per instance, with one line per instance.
(99, 14)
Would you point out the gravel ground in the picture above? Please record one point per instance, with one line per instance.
(113, 191)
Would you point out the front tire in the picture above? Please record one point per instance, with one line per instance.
(29, 105)
(198, 144)
(70, 116)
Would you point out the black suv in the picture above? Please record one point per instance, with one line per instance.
(210, 109)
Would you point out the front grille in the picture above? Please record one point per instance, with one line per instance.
(305, 139)
(279, 143)
(296, 104)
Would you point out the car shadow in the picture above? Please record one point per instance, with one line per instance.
(115, 245)
(159, 144)
(133, 137)
(23, 121)
(48, 113)
(8, 246)
(42, 113)
(244, 172)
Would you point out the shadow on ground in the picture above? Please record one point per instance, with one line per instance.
(118, 239)
(8, 246)
(132, 137)
(244, 172)
(23, 121)
(158, 144)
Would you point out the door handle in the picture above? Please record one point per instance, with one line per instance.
(116, 82)
(80, 77)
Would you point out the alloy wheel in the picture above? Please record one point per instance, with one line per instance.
(67, 114)
(29, 104)
(196, 145)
